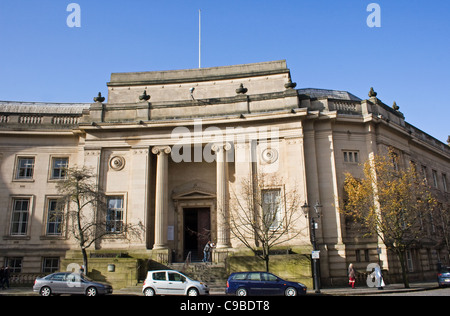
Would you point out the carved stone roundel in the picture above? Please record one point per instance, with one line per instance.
(269, 155)
(117, 163)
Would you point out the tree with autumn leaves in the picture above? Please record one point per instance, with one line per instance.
(395, 204)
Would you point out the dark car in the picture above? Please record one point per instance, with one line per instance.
(262, 283)
(444, 276)
(70, 283)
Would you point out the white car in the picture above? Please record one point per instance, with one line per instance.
(171, 282)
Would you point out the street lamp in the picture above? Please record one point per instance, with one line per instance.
(315, 256)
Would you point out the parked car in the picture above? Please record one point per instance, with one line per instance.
(444, 276)
(171, 282)
(262, 283)
(70, 283)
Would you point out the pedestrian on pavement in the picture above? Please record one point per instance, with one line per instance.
(5, 278)
(351, 275)
(2, 276)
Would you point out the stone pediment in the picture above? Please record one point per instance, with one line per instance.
(194, 190)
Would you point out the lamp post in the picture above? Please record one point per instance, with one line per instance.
(315, 256)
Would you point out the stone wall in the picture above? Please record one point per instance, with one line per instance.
(291, 267)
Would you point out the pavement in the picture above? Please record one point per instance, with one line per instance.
(388, 289)
(335, 291)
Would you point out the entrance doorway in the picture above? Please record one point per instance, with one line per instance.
(197, 231)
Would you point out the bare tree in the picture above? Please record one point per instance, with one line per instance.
(264, 214)
(441, 226)
(88, 214)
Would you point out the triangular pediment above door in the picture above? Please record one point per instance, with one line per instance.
(194, 190)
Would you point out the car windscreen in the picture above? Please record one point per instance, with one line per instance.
(86, 278)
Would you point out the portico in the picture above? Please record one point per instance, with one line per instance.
(192, 195)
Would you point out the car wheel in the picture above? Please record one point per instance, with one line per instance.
(241, 292)
(192, 292)
(45, 291)
(149, 292)
(290, 291)
(91, 291)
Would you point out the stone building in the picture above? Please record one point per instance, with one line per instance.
(171, 148)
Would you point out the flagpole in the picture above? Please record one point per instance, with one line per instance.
(199, 38)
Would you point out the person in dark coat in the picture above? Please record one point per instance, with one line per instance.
(2, 276)
(6, 277)
(206, 252)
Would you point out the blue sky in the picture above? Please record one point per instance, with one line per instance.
(327, 44)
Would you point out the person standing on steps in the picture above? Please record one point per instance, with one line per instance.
(206, 251)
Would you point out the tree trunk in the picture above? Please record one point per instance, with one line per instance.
(402, 257)
(267, 263)
(85, 260)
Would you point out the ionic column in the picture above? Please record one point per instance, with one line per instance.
(223, 227)
(161, 204)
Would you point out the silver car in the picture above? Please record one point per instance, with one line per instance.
(70, 283)
(171, 282)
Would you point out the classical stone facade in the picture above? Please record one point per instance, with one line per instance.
(171, 148)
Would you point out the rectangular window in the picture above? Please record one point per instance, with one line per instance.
(395, 161)
(14, 264)
(359, 258)
(272, 208)
(25, 168)
(366, 255)
(159, 276)
(50, 265)
(54, 218)
(114, 215)
(424, 173)
(19, 219)
(435, 178)
(351, 156)
(409, 261)
(59, 168)
(444, 182)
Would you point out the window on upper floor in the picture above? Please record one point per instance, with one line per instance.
(20, 215)
(59, 168)
(55, 218)
(395, 160)
(424, 173)
(115, 214)
(435, 178)
(25, 168)
(271, 207)
(351, 156)
(444, 182)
